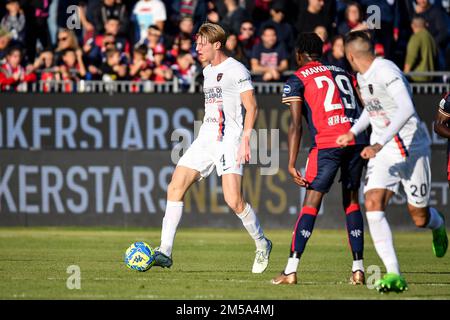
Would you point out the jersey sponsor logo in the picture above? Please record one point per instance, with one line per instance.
(334, 120)
(213, 95)
(219, 76)
(286, 89)
(392, 81)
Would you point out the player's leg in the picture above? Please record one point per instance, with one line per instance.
(193, 165)
(417, 184)
(376, 201)
(321, 170)
(351, 173)
(382, 181)
(232, 191)
(355, 233)
(182, 179)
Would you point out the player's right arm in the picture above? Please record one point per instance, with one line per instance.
(292, 97)
(362, 124)
(441, 123)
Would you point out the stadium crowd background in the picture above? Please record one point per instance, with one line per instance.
(153, 40)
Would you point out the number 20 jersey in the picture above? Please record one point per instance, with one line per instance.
(330, 103)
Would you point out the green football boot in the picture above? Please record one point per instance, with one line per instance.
(440, 240)
(391, 282)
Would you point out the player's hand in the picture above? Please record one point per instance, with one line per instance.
(297, 176)
(244, 154)
(371, 151)
(344, 139)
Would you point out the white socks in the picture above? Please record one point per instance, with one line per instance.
(435, 219)
(382, 240)
(292, 265)
(357, 265)
(172, 217)
(251, 223)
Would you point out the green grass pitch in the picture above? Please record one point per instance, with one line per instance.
(208, 264)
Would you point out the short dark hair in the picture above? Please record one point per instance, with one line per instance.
(360, 36)
(268, 27)
(311, 44)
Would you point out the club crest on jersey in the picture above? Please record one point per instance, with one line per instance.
(371, 89)
(219, 76)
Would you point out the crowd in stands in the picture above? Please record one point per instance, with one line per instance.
(154, 40)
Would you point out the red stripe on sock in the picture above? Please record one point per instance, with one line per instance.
(309, 210)
(352, 207)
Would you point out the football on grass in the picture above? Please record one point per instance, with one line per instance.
(140, 256)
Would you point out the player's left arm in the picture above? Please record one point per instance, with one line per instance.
(251, 112)
(398, 91)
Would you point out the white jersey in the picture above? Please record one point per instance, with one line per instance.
(379, 85)
(223, 84)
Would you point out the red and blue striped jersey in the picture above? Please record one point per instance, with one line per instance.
(330, 103)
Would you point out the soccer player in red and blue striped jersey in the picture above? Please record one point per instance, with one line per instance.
(326, 96)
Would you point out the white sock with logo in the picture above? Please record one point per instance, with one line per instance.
(436, 220)
(172, 217)
(251, 223)
(382, 240)
(292, 265)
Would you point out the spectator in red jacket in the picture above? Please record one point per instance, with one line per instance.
(12, 75)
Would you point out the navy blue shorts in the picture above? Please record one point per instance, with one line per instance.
(323, 165)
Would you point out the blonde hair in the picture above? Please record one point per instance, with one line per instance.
(213, 33)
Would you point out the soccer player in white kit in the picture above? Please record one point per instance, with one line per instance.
(223, 143)
(399, 153)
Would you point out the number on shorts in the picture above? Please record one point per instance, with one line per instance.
(222, 159)
(422, 190)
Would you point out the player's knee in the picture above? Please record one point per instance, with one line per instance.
(235, 203)
(175, 191)
(372, 204)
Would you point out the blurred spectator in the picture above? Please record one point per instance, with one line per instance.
(285, 32)
(66, 40)
(147, 13)
(14, 20)
(212, 13)
(387, 33)
(233, 48)
(5, 39)
(36, 27)
(437, 25)
(184, 70)
(182, 43)
(140, 68)
(336, 55)
(12, 75)
(247, 37)
(421, 51)
(161, 71)
(113, 68)
(260, 10)
(112, 27)
(353, 19)
(71, 67)
(321, 31)
(196, 10)
(316, 14)
(234, 16)
(44, 65)
(154, 39)
(111, 9)
(269, 57)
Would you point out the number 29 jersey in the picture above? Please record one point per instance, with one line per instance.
(330, 103)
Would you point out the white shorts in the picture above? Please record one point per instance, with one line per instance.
(388, 169)
(204, 155)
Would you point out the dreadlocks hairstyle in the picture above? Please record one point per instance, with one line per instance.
(310, 43)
